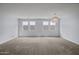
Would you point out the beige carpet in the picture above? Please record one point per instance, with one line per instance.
(39, 46)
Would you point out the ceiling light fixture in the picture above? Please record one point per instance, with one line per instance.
(55, 18)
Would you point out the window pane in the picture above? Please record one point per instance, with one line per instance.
(52, 23)
(45, 23)
(32, 27)
(32, 23)
(25, 27)
(24, 23)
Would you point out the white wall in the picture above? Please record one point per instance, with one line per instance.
(9, 13)
(70, 24)
(8, 25)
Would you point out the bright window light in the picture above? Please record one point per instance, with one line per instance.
(52, 23)
(24, 23)
(32, 23)
(45, 23)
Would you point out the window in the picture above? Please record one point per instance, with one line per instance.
(25, 27)
(52, 23)
(24, 23)
(32, 23)
(45, 23)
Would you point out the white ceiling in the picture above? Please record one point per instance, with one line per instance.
(38, 9)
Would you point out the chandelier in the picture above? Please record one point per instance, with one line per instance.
(55, 18)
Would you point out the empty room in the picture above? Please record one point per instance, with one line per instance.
(39, 29)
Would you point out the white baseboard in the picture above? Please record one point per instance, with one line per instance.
(70, 40)
(4, 41)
